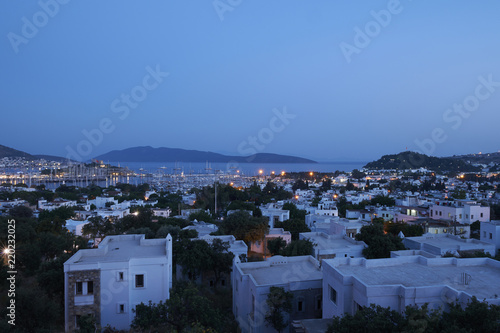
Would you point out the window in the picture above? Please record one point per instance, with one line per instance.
(223, 282)
(84, 287)
(440, 213)
(139, 281)
(121, 308)
(79, 288)
(481, 214)
(460, 216)
(471, 217)
(318, 302)
(333, 295)
(90, 287)
(120, 276)
(300, 305)
(491, 235)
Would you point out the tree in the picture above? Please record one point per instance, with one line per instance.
(197, 256)
(475, 317)
(186, 306)
(201, 216)
(383, 201)
(301, 247)
(300, 185)
(474, 229)
(295, 213)
(276, 245)
(407, 230)
(245, 227)
(379, 244)
(368, 319)
(21, 212)
(278, 301)
(295, 226)
(357, 174)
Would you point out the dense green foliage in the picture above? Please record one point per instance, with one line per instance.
(476, 317)
(279, 301)
(413, 160)
(379, 244)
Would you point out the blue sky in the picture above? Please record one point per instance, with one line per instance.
(227, 79)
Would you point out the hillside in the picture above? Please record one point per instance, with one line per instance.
(414, 160)
(485, 158)
(150, 154)
(11, 152)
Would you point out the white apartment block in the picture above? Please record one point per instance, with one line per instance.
(332, 246)
(490, 233)
(442, 244)
(57, 203)
(110, 281)
(463, 211)
(349, 284)
(251, 282)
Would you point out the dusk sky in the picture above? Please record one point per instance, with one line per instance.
(326, 80)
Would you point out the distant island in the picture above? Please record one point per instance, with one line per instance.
(163, 154)
(414, 160)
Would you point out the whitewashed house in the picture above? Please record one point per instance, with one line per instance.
(110, 281)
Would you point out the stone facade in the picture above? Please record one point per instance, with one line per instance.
(81, 310)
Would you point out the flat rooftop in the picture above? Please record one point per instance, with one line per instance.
(121, 248)
(483, 282)
(445, 242)
(266, 273)
(325, 243)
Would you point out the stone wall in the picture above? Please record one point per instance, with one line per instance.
(93, 309)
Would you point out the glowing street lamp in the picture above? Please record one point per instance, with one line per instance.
(261, 172)
(282, 173)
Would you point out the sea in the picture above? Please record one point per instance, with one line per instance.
(247, 169)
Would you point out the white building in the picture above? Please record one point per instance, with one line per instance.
(463, 211)
(110, 281)
(442, 244)
(57, 203)
(202, 228)
(100, 202)
(275, 214)
(332, 246)
(108, 212)
(349, 284)
(251, 282)
(490, 233)
(346, 227)
(163, 212)
(75, 226)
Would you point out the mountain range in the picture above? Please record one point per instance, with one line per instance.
(162, 154)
